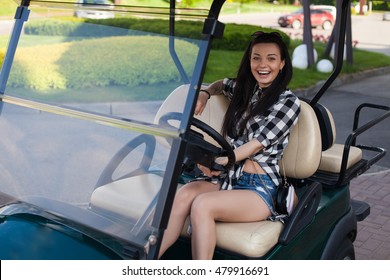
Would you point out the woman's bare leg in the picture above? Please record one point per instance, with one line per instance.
(181, 209)
(227, 206)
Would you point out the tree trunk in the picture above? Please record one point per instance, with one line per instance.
(361, 4)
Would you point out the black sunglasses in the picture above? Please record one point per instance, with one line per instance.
(261, 33)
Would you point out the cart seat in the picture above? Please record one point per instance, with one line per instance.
(331, 158)
(113, 199)
(332, 155)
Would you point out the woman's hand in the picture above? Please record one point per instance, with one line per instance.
(201, 103)
(208, 172)
(205, 93)
(222, 160)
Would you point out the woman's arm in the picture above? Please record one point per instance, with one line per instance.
(214, 88)
(245, 151)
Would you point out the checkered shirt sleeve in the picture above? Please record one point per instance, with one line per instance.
(277, 124)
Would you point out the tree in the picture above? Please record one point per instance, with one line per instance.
(361, 4)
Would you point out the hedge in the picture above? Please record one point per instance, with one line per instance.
(236, 36)
(116, 60)
(122, 61)
(2, 55)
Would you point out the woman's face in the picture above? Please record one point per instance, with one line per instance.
(266, 62)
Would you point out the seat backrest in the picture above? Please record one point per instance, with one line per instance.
(327, 126)
(212, 115)
(303, 152)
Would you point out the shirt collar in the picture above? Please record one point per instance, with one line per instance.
(257, 93)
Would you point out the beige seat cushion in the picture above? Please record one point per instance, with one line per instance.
(248, 239)
(128, 197)
(331, 158)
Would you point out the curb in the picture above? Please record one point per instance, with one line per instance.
(342, 80)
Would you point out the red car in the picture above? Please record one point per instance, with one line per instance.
(318, 18)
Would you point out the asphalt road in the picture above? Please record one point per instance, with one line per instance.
(343, 100)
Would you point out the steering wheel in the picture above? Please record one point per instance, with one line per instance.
(199, 150)
(149, 143)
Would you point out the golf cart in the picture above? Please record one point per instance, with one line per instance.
(98, 133)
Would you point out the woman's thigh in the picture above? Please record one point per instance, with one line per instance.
(188, 192)
(232, 206)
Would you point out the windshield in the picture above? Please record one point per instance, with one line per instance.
(80, 136)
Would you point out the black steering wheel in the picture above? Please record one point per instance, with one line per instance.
(200, 151)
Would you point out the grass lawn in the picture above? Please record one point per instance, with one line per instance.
(7, 8)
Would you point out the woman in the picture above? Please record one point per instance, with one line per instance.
(257, 123)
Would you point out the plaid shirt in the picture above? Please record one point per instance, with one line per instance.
(271, 130)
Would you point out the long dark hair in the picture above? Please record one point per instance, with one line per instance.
(246, 83)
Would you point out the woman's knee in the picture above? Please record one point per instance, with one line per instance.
(186, 194)
(201, 208)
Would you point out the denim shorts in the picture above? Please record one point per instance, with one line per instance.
(252, 182)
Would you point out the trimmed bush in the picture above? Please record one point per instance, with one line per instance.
(35, 67)
(53, 27)
(2, 55)
(236, 37)
(125, 61)
(107, 55)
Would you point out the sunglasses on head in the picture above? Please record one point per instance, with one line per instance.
(261, 33)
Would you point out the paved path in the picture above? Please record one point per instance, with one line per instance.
(373, 239)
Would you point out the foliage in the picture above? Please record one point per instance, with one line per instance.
(2, 54)
(81, 64)
(69, 28)
(381, 5)
(7, 7)
(236, 37)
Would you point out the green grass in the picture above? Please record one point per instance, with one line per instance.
(222, 64)
(7, 8)
(3, 41)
